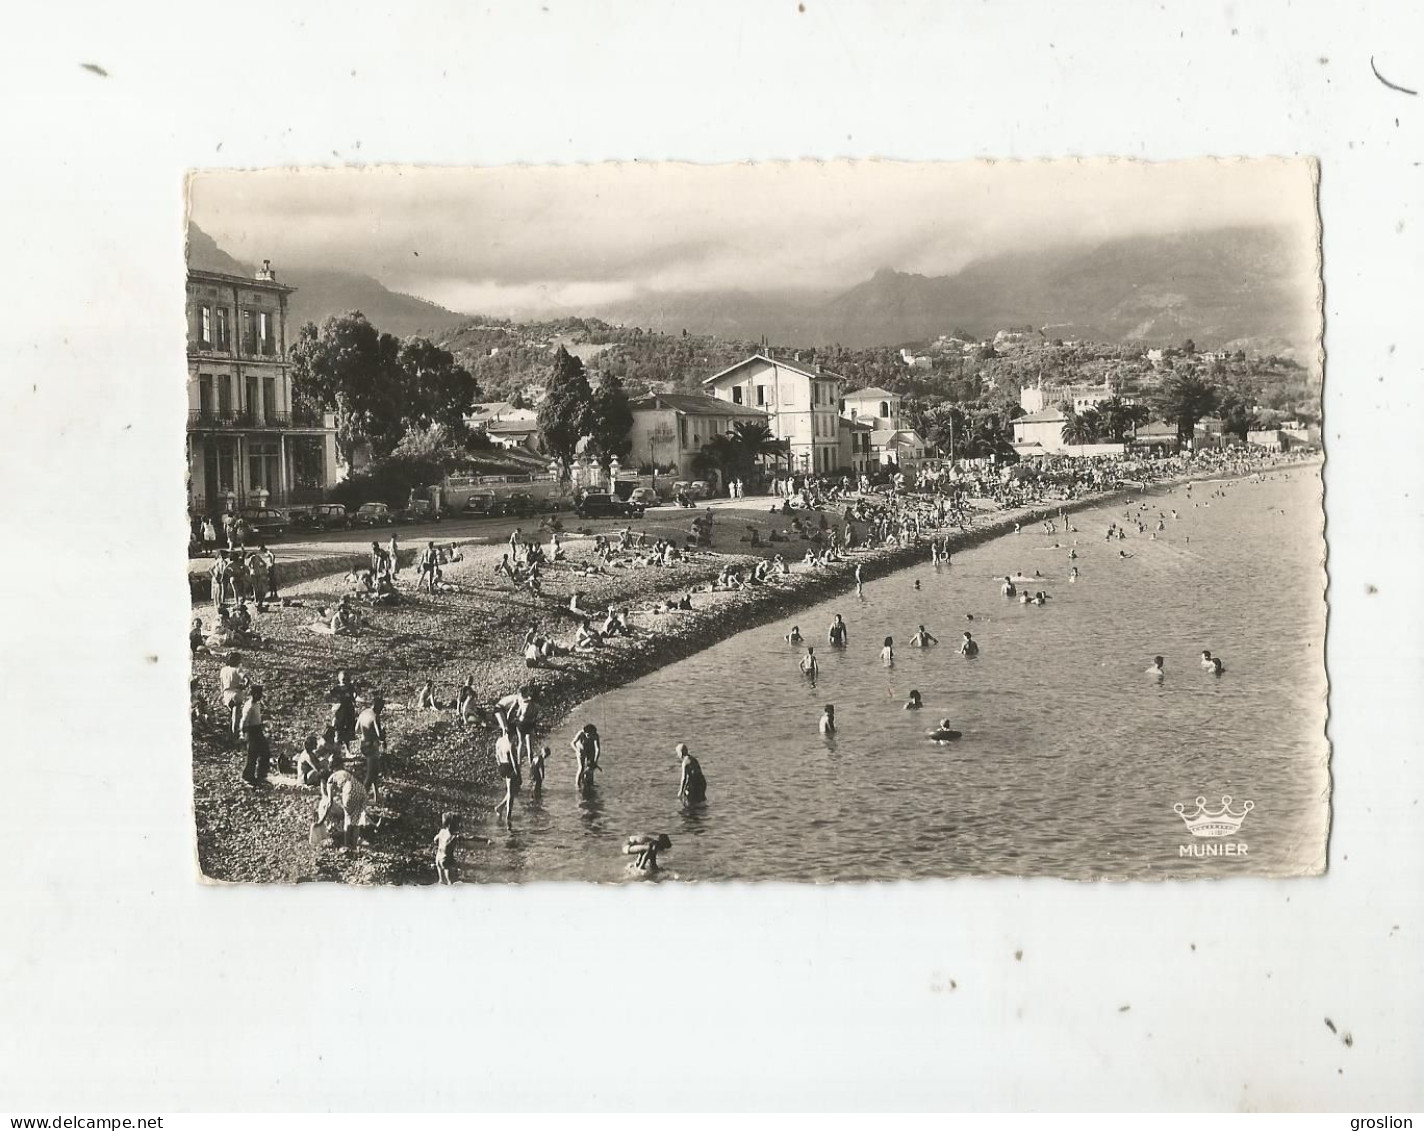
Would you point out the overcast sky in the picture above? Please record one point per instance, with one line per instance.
(531, 240)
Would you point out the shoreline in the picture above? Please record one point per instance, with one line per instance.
(436, 763)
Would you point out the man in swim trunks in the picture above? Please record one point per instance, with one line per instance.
(508, 770)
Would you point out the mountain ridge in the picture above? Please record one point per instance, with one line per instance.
(320, 294)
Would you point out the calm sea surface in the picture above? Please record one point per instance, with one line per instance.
(1072, 756)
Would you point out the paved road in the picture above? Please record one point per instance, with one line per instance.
(458, 528)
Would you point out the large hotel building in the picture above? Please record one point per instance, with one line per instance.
(250, 441)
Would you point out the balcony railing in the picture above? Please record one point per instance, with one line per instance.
(216, 418)
(246, 418)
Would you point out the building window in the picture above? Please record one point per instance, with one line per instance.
(220, 339)
(205, 395)
(249, 333)
(205, 326)
(225, 394)
(736, 394)
(884, 408)
(761, 395)
(264, 331)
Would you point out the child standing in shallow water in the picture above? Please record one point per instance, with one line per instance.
(445, 865)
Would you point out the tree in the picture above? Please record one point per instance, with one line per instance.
(721, 454)
(437, 391)
(378, 386)
(566, 408)
(755, 438)
(351, 368)
(1119, 418)
(1238, 408)
(1082, 427)
(610, 421)
(1185, 398)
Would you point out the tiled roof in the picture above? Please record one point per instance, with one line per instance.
(874, 393)
(810, 369)
(696, 404)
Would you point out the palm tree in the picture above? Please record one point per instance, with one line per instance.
(1186, 398)
(721, 454)
(1119, 418)
(1081, 427)
(755, 438)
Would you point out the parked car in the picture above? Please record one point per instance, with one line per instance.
(524, 504)
(699, 489)
(645, 497)
(328, 516)
(264, 523)
(600, 504)
(373, 514)
(420, 510)
(484, 504)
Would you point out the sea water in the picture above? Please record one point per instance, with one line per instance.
(1072, 757)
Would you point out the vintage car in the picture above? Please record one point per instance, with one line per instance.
(419, 510)
(483, 503)
(600, 504)
(373, 514)
(264, 523)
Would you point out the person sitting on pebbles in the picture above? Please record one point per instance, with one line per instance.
(309, 767)
(616, 624)
(425, 699)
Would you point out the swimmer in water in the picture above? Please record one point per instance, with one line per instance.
(1212, 663)
(969, 647)
(1040, 598)
(943, 733)
(917, 584)
(914, 703)
(810, 667)
(828, 721)
(838, 635)
(1007, 589)
(693, 785)
(646, 848)
(794, 636)
(923, 638)
(1123, 555)
(1158, 668)
(1073, 574)
(887, 652)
